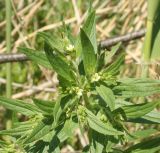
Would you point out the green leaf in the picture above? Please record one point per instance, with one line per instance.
(97, 142)
(69, 124)
(141, 134)
(111, 142)
(152, 116)
(148, 146)
(88, 54)
(3, 143)
(111, 53)
(17, 131)
(64, 133)
(64, 83)
(53, 41)
(61, 105)
(114, 68)
(53, 138)
(58, 64)
(142, 81)
(138, 110)
(19, 128)
(37, 56)
(45, 106)
(42, 128)
(19, 106)
(99, 126)
(107, 95)
(39, 147)
(90, 29)
(61, 133)
(86, 149)
(137, 87)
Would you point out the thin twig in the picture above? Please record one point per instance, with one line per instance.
(123, 38)
(4, 58)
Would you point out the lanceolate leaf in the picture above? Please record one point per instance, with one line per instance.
(141, 134)
(139, 81)
(68, 130)
(60, 107)
(90, 29)
(114, 68)
(88, 54)
(138, 110)
(36, 56)
(60, 134)
(54, 42)
(19, 129)
(111, 53)
(137, 88)
(19, 106)
(58, 64)
(153, 116)
(149, 146)
(107, 95)
(42, 128)
(46, 106)
(16, 131)
(98, 142)
(99, 126)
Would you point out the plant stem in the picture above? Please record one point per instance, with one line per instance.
(8, 66)
(147, 48)
(148, 41)
(8, 45)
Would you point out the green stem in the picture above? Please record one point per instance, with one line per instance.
(147, 48)
(8, 45)
(147, 51)
(148, 41)
(8, 66)
(86, 100)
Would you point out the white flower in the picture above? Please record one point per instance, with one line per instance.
(96, 77)
(80, 92)
(70, 48)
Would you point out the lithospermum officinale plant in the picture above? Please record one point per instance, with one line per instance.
(91, 98)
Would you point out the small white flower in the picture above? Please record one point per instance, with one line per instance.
(70, 48)
(96, 77)
(78, 91)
